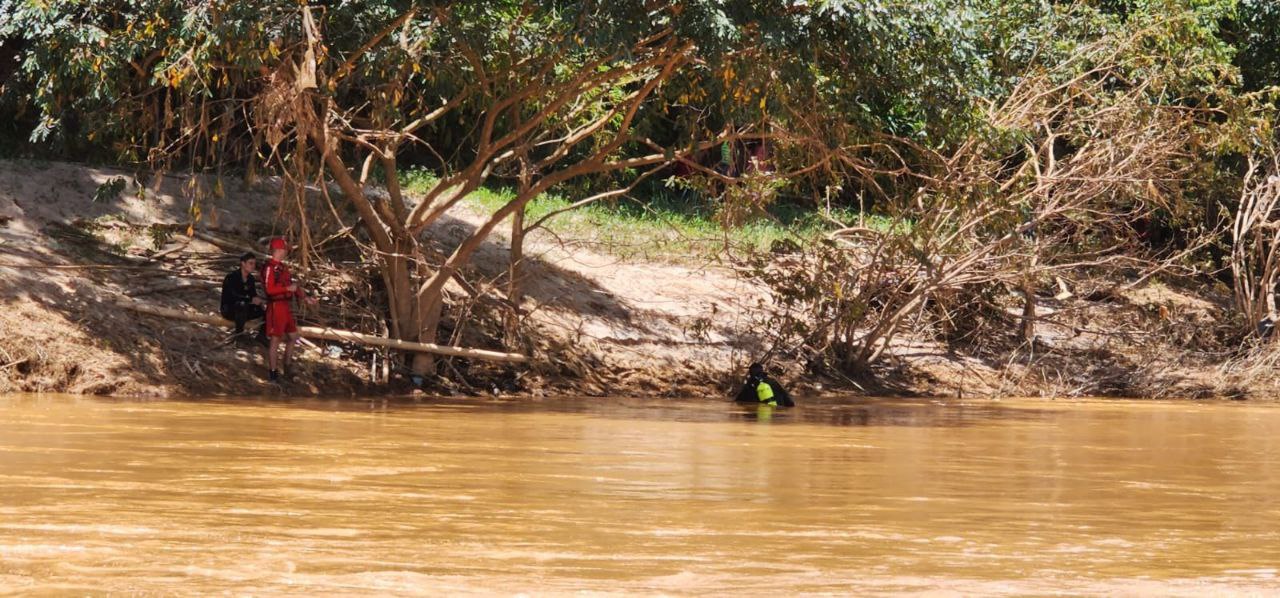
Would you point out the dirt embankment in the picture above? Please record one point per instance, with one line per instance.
(595, 324)
(66, 255)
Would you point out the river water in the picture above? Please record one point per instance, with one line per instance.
(270, 497)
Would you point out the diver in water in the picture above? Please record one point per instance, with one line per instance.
(763, 389)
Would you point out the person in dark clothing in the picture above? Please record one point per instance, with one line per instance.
(240, 300)
(763, 389)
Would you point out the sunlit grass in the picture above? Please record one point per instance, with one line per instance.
(668, 226)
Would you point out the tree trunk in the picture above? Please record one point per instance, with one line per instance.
(251, 170)
(430, 313)
(399, 283)
(430, 297)
(1029, 299)
(515, 275)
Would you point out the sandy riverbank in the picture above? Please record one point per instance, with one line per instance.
(596, 324)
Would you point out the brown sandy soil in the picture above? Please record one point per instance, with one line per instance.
(633, 327)
(1105, 340)
(595, 324)
(58, 331)
(622, 326)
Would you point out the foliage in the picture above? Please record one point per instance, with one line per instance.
(992, 141)
(1080, 163)
(110, 190)
(1254, 36)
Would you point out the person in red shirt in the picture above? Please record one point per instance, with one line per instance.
(281, 291)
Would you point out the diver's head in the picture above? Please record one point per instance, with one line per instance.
(756, 370)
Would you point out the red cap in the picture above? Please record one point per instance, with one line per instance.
(278, 243)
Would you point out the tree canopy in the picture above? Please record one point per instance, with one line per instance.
(1093, 122)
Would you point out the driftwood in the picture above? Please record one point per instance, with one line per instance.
(170, 251)
(42, 266)
(172, 287)
(224, 243)
(333, 335)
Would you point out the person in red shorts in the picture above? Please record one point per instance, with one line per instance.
(280, 325)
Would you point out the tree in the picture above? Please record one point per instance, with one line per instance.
(1066, 174)
(341, 93)
(953, 121)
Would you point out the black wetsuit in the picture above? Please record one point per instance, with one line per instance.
(237, 299)
(748, 392)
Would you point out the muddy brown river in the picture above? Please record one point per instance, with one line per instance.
(270, 497)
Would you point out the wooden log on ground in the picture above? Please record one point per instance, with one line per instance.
(392, 343)
(170, 251)
(41, 266)
(173, 288)
(173, 314)
(224, 243)
(333, 335)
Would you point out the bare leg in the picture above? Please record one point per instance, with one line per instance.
(290, 341)
(273, 352)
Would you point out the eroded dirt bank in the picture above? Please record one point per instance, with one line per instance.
(595, 324)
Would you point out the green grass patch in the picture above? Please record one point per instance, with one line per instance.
(667, 226)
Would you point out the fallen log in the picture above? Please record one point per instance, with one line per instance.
(224, 243)
(333, 334)
(392, 343)
(175, 314)
(170, 251)
(173, 287)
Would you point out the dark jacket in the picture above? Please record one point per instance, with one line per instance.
(748, 392)
(237, 291)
